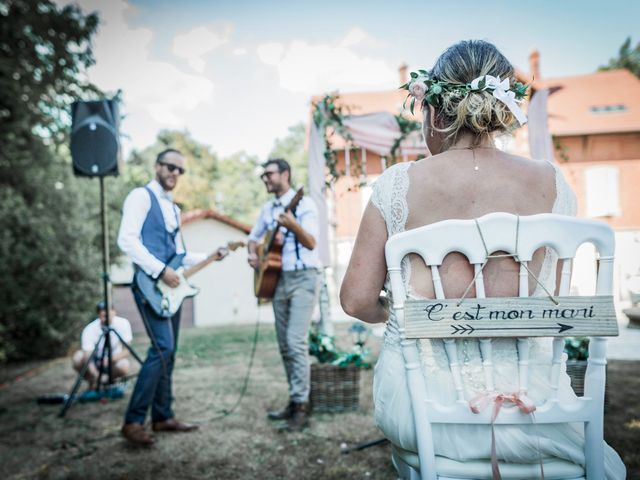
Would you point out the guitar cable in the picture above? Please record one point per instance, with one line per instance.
(245, 383)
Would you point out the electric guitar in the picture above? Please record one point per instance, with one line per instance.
(270, 255)
(166, 300)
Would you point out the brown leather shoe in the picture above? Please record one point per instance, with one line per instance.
(285, 414)
(135, 434)
(300, 418)
(172, 425)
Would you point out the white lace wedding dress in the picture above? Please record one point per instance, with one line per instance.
(393, 412)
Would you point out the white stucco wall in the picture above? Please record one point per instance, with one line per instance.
(226, 287)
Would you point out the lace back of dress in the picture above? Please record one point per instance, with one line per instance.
(390, 197)
(485, 345)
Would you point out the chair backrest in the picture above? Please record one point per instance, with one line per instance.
(520, 317)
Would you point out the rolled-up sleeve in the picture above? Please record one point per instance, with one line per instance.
(260, 228)
(308, 219)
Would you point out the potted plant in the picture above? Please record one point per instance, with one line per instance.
(335, 377)
(577, 350)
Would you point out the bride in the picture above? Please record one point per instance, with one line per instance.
(468, 97)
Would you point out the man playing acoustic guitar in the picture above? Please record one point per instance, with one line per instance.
(298, 285)
(150, 236)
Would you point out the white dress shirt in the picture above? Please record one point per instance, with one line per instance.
(134, 213)
(92, 332)
(306, 215)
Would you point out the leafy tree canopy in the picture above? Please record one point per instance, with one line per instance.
(628, 57)
(50, 264)
(291, 148)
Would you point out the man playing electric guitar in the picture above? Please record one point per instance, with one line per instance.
(296, 293)
(150, 236)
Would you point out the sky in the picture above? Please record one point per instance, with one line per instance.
(237, 73)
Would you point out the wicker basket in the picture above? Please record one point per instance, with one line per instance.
(334, 389)
(576, 369)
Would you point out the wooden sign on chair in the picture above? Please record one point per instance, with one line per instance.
(511, 317)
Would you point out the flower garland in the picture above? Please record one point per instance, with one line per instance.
(327, 114)
(328, 117)
(407, 126)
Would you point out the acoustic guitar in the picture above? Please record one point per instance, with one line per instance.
(270, 255)
(165, 300)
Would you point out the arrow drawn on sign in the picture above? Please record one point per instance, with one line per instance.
(468, 329)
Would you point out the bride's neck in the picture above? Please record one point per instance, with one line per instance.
(470, 142)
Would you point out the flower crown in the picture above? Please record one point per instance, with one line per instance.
(423, 88)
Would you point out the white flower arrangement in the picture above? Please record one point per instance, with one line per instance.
(422, 88)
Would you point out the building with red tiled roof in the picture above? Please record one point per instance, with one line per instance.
(595, 122)
(199, 214)
(598, 103)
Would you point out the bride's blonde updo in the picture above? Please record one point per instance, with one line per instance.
(477, 112)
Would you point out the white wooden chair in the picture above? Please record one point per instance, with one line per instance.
(521, 236)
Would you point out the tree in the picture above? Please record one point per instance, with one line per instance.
(627, 58)
(239, 192)
(291, 148)
(49, 263)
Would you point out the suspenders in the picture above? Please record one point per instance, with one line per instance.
(300, 265)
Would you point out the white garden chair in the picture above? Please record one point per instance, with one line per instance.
(476, 239)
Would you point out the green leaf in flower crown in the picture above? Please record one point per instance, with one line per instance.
(435, 89)
(413, 103)
(520, 89)
(423, 72)
(405, 86)
(482, 83)
(413, 75)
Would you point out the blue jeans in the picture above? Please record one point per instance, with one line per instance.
(154, 380)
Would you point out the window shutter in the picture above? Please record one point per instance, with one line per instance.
(602, 192)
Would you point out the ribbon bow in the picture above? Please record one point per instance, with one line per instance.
(501, 90)
(524, 404)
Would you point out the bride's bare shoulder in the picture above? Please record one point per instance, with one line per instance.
(542, 168)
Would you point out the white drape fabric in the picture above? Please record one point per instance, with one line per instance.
(317, 189)
(540, 143)
(377, 133)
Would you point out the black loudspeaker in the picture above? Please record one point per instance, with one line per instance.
(94, 138)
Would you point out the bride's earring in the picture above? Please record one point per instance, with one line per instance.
(431, 132)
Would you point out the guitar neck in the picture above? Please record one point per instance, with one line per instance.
(289, 208)
(272, 237)
(200, 265)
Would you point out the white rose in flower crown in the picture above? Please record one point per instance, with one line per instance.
(417, 88)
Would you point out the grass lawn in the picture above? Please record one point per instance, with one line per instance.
(211, 365)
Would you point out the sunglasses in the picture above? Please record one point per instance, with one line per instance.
(172, 168)
(267, 175)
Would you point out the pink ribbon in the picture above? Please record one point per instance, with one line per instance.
(524, 404)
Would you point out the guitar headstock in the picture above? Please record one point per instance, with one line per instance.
(295, 200)
(232, 246)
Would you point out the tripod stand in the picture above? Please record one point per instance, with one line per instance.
(106, 328)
